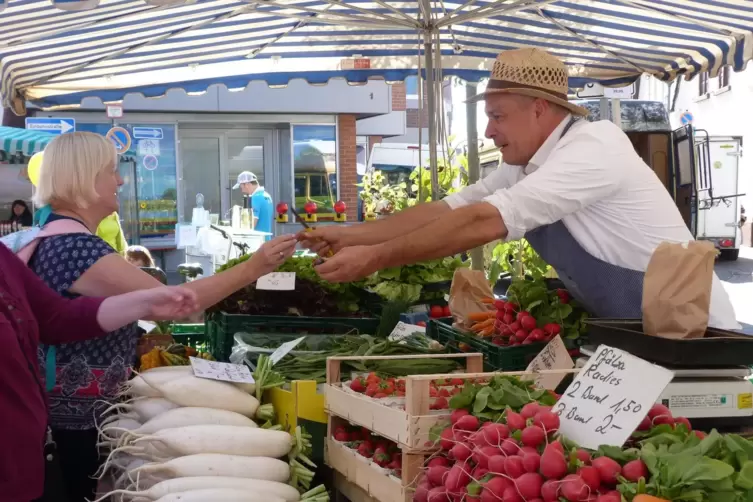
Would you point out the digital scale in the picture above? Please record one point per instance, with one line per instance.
(720, 398)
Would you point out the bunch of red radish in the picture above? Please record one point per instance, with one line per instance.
(520, 460)
(519, 327)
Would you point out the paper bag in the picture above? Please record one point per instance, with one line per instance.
(677, 290)
(467, 294)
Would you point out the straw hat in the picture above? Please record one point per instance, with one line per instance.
(530, 72)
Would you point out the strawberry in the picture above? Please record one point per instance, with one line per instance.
(457, 381)
(393, 466)
(433, 392)
(397, 457)
(342, 436)
(372, 389)
(358, 385)
(373, 378)
(380, 395)
(364, 449)
(444, 392)
(440, 404)
(366, 435)
(380, 457)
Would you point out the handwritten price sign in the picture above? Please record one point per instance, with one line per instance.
(609, 398)
(225, 372)
(403, 330)
(280, 281)
(553, 357)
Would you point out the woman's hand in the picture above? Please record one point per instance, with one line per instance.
(168, 303)
(272, 254)
(159, 304)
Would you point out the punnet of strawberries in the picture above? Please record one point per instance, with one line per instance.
(381, 451)
(440, 390)
(516, 454)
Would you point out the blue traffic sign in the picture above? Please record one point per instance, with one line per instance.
(147, 133)
(686, 118)
(50, 125)
(120, 138)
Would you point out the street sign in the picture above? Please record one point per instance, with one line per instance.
(686, 118)
(114, 111)
(120, 138)
(147, 133)
(150, 162)
(50, 125)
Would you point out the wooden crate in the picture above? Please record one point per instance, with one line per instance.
(409, 427)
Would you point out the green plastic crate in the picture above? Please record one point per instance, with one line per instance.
(496, 358)
(222, 327)
(190, 335)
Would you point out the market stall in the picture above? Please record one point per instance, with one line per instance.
(518, 397)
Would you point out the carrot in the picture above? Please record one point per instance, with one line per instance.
(480, 316)
(482, 325)
(488, 301)
(487, 331)
(648, 498)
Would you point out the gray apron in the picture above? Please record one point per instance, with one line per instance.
(604, 290)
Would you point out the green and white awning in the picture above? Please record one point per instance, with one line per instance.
(14, 140)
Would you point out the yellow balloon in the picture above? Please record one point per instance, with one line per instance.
(35, 163)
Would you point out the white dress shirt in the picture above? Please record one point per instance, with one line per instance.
(612, 203)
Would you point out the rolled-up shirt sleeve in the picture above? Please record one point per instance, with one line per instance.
(482, 188)
(577, 174)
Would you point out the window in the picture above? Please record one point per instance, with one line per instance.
(411, 86)
(703, 83)
(315, 168)
(148, 197)
(724, 73)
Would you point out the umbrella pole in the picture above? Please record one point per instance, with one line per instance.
(432, 102)
(474, 170)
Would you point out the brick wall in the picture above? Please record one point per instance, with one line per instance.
(398, 97)
(346, 130)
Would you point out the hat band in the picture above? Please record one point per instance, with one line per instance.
(504, 84)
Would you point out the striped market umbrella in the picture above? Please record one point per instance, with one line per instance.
(108, 48)
(14, 141)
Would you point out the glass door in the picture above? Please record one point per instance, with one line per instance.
(128, 198)
(201, 154)
(247, 150)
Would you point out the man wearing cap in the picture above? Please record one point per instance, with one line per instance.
(260, 201)
(576, 190)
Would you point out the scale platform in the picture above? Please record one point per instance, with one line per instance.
(719, 398)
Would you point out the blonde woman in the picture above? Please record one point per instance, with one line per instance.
(79, 180)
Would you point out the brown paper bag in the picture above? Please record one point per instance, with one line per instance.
(677, 290)
(467, 294)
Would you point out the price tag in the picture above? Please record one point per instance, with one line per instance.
(280, 281)
(553, 357)
(225, 372)
(609, 398)
(403, 330)
(283, 349)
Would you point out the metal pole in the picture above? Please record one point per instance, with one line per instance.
(432, 111)
(616, 112)
(474, 170)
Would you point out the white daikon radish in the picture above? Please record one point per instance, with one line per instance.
(182, 417)
(138, 387)
(219, 495)
(225, 439)
(145, 409)
(213, 464)
(203, 393)
(248, 388)
(118, 427)
(168, 369)
(180, 485)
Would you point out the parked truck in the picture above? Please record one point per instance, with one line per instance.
(700, 171)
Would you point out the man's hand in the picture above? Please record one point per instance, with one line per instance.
(322, 240)
(168, 303)
(350, 264)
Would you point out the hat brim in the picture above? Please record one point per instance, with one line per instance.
(572, 108)
(236, 186)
